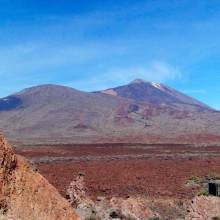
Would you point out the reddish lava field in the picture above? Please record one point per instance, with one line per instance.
(124, 170)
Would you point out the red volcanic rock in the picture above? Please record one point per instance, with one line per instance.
(25, 194)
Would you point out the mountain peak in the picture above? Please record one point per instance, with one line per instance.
(138, 81)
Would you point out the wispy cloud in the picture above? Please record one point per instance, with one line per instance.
(157, 71)
(28, 64)
(26, 58)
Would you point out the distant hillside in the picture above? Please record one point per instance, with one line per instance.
(154, 93)
(138, 112)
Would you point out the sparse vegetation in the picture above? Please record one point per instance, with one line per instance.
(3, 207)
(214, 176)
(202, 182)
(117, 214)
(93, 217)
(195, 180)
(154, 218)
(203, 192)
(130, 218)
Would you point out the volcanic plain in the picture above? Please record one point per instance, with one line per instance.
(154, 171)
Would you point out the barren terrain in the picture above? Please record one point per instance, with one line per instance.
(141, 111)
(122, 170)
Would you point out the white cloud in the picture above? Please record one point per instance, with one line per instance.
(33, 57)
(156, 71)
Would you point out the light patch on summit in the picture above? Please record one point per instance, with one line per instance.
(156, 85)
(110, 92)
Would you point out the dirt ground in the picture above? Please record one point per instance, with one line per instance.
(154, 178)
(155, 171)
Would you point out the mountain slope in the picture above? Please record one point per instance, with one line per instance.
(154, 93)
(140, 111)
(52, 110)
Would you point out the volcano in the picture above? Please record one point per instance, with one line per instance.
(139, 111)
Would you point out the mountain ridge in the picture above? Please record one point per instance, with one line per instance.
(152, 88)
(140, 109)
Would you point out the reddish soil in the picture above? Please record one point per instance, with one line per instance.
(155, 178)
(164, 176)
(81, 150)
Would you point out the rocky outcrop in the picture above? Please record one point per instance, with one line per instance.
(204, 208)
(25, 194)
(103, 208)
(76, 192)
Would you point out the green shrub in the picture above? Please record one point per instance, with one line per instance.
(203, 192)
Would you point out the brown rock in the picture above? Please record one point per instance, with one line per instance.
(203, 207)
(76, 192)
(25, 194)
(138, 207)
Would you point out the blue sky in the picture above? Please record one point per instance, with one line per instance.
(93, 44)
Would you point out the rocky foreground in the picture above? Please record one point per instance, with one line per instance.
(140, 207)
(25, 194)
